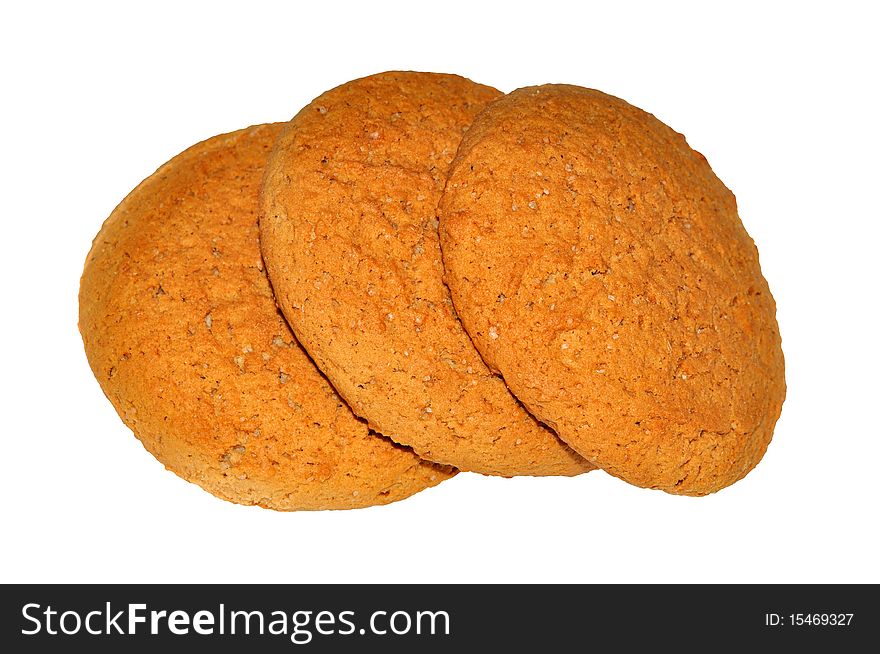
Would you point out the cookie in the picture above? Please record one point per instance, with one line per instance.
(181, 330)
(601, 267)
(349, 235)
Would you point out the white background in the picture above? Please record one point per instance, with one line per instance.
(781, 98)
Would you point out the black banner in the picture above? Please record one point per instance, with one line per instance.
(322, 618)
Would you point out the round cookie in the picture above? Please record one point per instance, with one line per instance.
(181, 330)
(600, 265)
(349, 235)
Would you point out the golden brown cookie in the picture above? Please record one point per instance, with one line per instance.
(600, 265)
(181, 330)
(349, 234)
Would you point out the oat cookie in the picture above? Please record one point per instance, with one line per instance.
(600, 265)
(349, 235)
(181, 330)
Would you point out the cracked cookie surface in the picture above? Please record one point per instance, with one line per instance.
(600, 266)
(181, 330)
(349, 235)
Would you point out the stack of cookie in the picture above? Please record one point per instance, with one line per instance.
(419, 275)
